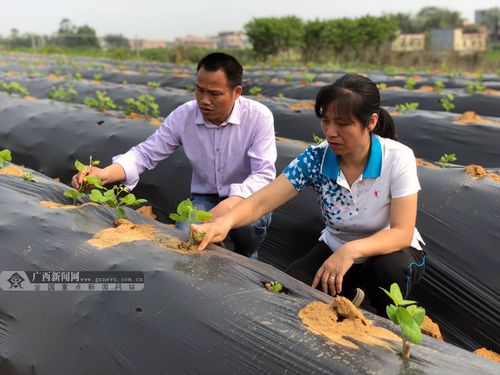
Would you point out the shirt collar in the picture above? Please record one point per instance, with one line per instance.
(234, 117)
(330, 166)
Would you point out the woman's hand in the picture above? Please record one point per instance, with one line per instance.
(331, 273)
(214, 231)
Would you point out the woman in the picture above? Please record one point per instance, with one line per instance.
(367, 188)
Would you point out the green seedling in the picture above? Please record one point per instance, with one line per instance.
(255, 91)
(78, 75)
(447, 101)
(112, 198)
(89, 181)
(308, 77)
(266, 78)
(317, 139)
(275, 286)
(186, 213)
(144, 104)
(288, 78)
(124, 82)
(381, 86)
(189, 87)
(5, 157)
(406, 107)
(438, 86)
(153, 84)
(410, 84)
(447, 158)
(409, 318)
(472, 88)
(281, 97)
(65, 93)
(102, 102)
(14, 88)
(28, 176)
(144, 69)
(98, 77)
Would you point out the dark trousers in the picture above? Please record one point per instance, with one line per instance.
(404, 267)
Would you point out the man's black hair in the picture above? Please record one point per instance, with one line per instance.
(227, 63)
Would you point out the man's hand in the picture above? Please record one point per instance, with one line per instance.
(225, 206)
(110, 174)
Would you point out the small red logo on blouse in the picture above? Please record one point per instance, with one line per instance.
(376, 193)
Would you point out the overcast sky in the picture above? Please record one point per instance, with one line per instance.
(168, 19)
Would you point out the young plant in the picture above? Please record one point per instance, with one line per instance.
(5, 157)
(98, 77)
(81, 192)
(318, 139)
(472, 88)
(275, 286)
(28, 176)
(255, 91)
(186, 213)
(447, 101)
(112, 198)
(381, 86)
(281, 97)
(446, 158)
(65, 93)
(406, 107)
(410, 84)
(102, 102)
(189, 87)
(14, 88)
(144, 69)
(409, 318)
(144, 104)
(153, 84)
(308, 77)
(78, 75)
(438, 86)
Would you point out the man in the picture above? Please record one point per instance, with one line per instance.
(228, 139)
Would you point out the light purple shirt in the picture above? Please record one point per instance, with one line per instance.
(234, 158)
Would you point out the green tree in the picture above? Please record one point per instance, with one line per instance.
(116, 41)
(86, 37)
(492, 23)
(437, 18)
(405, 22)
(272, 35)
(314, 40)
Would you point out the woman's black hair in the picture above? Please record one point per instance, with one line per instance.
(354, 95)
(227, 63)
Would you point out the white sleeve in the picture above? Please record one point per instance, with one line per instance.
(404, 178)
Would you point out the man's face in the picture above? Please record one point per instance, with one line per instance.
(214, 95)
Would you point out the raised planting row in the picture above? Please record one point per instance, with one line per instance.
(473, 139)
(260, 74)
(458, 213)
(175, 312)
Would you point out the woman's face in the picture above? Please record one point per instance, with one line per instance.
(346, 137)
